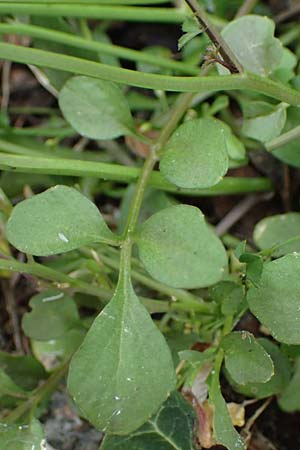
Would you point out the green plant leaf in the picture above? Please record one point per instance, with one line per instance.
(286, 69)
(53, 314)
(22, 437)
(289, 153)
(245, 359)
(24, 371)
(57, 221)
(254, 266)
(8, 387)
(276, 384)
(275, 230)
(123, 370)
(229, 295)
(251, 38)
(224, 432)
(96, 109)
(196, 154)
(159, 433)
(275, 301)
(265, 127)
(178, 248)
(290, 399)
(55, 351)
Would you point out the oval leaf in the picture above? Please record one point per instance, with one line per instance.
(275, 301)
(290, 399)
(280, 379)
(265, 127)
(196, 155)
(178, 248)
(275, 230)
(245, 359)
(96, 109)
(251, 38)
(24, 437)
(53, 314)
(123, 370)
(57, 221)
(159, 432)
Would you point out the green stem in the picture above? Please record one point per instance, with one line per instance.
(180, 295)
(88, 44)
(80, 66)
(106, 171)
(126, 13)
(40, 393)
(283, 139)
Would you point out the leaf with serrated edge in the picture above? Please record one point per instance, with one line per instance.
(196, 154)
(56, 221)
(95, 108)
(123, 370)
(275, 301)
(171, 428)
(178, 248)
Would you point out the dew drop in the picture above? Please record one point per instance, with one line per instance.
(63, 238)
(116, 397)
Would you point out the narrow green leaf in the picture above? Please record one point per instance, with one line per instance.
(196, 154)
(276, 384)
(245, 359)
(96, 109)
(57, 221)
(265, 127)
(178, 248)
(123, 370)
(22, 437)
(251, 38)
(290, 399)
(275, 301)
(159, 433)
(275, 230)
(53, 314)
(224, 431)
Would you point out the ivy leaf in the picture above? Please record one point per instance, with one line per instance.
(275, 301)
(275, 230)
(251, 38)
(95, 108)
(276, 384)
(245, 359)
(196, 154)
(290, 399)
(123, 370)
(266, 127)
(224, 432)
(22, 437)
(171, 428)
(57, 221)
(53, 314)
(178, 248)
